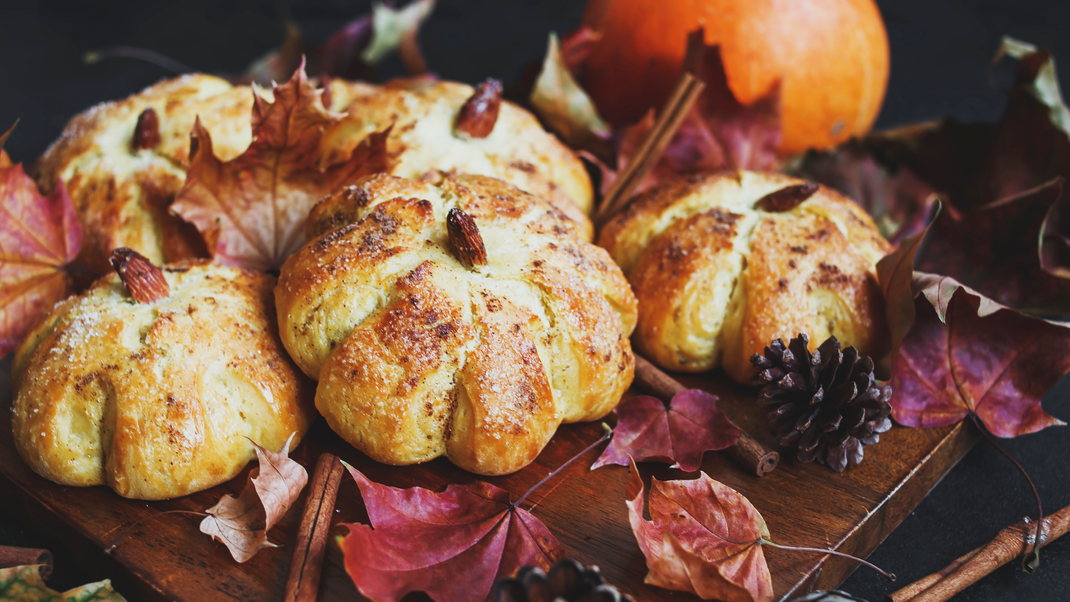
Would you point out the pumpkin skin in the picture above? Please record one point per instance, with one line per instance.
(830, 56)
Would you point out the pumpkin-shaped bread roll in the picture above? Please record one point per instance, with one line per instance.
(429, 137)
(724, 264)
(158, 399)
(124, 161)
(464, 318)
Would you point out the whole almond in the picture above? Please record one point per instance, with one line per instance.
(786, 198)
(480, 112)
(147, 131)
(465, 237)
(144, 280)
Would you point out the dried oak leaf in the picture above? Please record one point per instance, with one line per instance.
(352, 51)
(718, 133)
(24, 584)
(679, 433)
(564, 106)
(241, 523)
(39, 236)
(703, 537)
(451, 545)
(252, 209)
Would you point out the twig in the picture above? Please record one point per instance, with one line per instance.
(748, 451)
(306, 565)
(1010, 543)
(669, 119)
(11, 556)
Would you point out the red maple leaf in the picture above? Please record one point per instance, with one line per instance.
(680, 433)
(39, 236)
(252, 209)
(703, 537)
(958, 353)
(967, 355)
(452, 545)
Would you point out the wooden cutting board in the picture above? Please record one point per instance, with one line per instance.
(167, 558)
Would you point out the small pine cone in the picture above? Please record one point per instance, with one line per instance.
(827, 404)
(568, 581)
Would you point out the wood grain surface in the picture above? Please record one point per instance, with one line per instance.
(165, 557)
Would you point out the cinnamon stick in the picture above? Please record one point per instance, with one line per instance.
(11, 556)
(302, 584)
(1009, 544)
(747, 451)
(668, 121)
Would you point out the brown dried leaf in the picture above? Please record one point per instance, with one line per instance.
(242, 523)
(703, 537)
(565, 107)
(252, 209)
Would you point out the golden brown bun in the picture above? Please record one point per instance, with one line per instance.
(418, 356)
(158, 400)
(423, 140)
(122, 195)
(718, 279)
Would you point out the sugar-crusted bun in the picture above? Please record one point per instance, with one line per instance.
(123, 193)
(423, 346)
(158, 400)
(719, 277)
(424, 139)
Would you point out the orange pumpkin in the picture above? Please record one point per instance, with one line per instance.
(831, 57)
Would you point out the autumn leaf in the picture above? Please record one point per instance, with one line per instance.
(956, 352)
(451, 545)
(39, 236)
(996, 365)
(565, 107)
(241, 523)
(718, 133)
(680, 433)
(703, 538)
(24, 584)
(900, 203)
(351, 52)
(252, 209)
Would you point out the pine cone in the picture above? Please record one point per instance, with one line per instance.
(568, 581)
(827, 404)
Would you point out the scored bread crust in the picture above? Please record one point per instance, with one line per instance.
(419, 356)
(122, 195)
(718, 279)
(423, 140)
(158, 400)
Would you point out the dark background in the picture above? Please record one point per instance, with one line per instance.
(940, 55)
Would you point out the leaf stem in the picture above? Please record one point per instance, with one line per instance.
(605, 436)
(142, 54)
(115, 542)
(1031, 560)
(766, 542)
